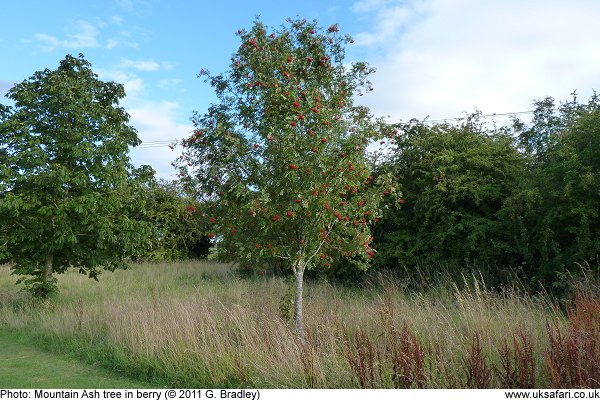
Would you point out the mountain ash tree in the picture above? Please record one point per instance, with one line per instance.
(281, 155)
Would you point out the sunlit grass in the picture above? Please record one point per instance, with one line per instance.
(199, 324)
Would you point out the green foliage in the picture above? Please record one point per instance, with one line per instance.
(558, 206)
(282, 154)
(281, 157)
(178, 222)
(66, 199)
(456, 180)
(524, 199)
(286, 305)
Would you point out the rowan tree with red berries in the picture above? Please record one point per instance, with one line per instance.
(281, 157)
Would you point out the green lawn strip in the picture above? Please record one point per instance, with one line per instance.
(24, 366)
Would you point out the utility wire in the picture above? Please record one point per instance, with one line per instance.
(493, 115)
(152, 144)
(159, 141)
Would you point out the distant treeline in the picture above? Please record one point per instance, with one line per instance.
(518, 201)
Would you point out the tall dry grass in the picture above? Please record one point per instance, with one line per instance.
(198, 324)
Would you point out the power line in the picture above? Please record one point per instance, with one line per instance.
(141, 147)
(165, 143)
(493, 115)
(153, 143)
(159, 141)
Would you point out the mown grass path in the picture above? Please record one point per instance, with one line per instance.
(23, 366)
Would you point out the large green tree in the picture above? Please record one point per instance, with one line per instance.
(558, 206)
(178, 223)
(66, 197)
(456, 180)
(282, 154)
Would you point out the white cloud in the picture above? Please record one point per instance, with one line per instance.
(139, 7)
(368, 5)
(85, 35)
(389, 21)
(441, 58)
(5, 86)
(123, 38)
(134, 85)
(125, 72)
(169, 83)
(155, 122)
(112, 43)
(116, 19)
(47, 42)
(140, 65)
(167, 66)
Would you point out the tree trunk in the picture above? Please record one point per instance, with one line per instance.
(298, 322)
(49, 267)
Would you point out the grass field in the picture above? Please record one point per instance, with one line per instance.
(199, 325)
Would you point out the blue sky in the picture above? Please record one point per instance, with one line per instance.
(436, 58)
